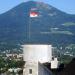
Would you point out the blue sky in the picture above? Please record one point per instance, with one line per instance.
(67, 6)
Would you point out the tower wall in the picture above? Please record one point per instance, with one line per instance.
(40, 53)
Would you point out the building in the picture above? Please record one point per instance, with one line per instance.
(36, 68)
(35, 56)
(54, 63)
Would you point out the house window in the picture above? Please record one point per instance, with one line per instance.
(30, 71)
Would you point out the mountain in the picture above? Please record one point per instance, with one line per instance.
(52, 26)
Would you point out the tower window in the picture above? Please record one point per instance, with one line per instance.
(30, 71)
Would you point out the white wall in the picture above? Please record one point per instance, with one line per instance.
(41, 53)
(30, 65)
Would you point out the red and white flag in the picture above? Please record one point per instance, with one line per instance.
(33, 14)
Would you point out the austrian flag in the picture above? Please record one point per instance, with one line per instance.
(34, 14)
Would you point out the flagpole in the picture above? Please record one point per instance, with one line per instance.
(34, 15)
(29, 35)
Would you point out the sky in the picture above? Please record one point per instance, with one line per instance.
(67, 6)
